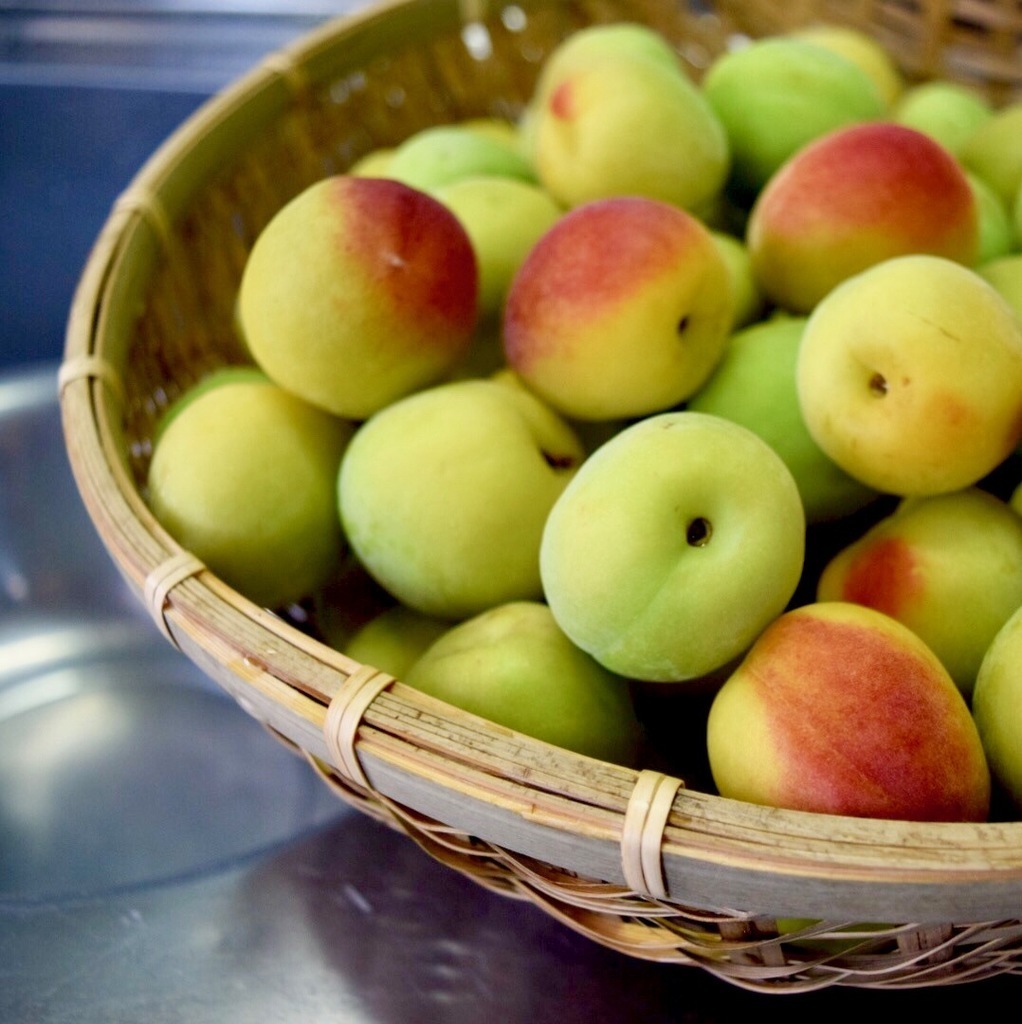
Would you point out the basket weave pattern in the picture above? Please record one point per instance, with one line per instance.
(701, 884)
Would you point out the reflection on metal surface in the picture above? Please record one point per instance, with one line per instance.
(149, 44)
(121, 765)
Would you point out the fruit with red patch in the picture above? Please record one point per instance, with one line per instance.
(909, 376)
(444, 494)
(357, 292)
(621, 309)
(854, 198)
(949, 567)
(840, 709)
(614, 113)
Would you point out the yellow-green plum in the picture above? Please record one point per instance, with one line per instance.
(497, 128)
(1005, 274)
(840, 709)
(592, 433)
(775, 95)
(243, 476)
(945, 110)
(443, 494)
(749, 300)
(358, 291)
(438, 155)
(213, 379)
(851, 199)
(621, 309)
(909, 376)
(997, 707)
(948, 566)
(627, 125)
(504, 218)
(996, 232)
(588, 46)
(393, 640)
(677, 541)
(374, 164)
(754, 385)
(514, 666)
(602, 40)
(994, 151)
(861, 49)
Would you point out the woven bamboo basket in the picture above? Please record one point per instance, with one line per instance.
(632, 859)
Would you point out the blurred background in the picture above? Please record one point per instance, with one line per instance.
(88, 89)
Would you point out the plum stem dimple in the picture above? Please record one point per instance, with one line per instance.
(878, 384)
(555, 461)
(682, 324)
(698, 532)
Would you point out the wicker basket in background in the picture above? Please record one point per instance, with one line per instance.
(624, 857)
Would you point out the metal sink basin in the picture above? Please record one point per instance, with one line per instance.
(121, 765)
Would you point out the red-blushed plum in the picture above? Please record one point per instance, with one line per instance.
(948, 566)
(444, 493)
(358, 291)
(853, 198)
(514, 666)
(910, 376)
(840, 709)
(588, 103)
(598, 41)
(677, 541)
(243, 475)
(620, 310)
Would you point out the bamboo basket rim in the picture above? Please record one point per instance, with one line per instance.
(516, 794)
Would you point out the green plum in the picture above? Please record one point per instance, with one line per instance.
(243, 476)
(754, 385)
(514, 666)
(443, 494)
(504, 218)
(436, 156)
(776, 94)
(676, 542)
(946, 111)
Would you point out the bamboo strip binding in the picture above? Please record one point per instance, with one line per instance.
(162, 580)
(642, 836)
(344, 715)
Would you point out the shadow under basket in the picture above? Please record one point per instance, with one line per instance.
(630, 858)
